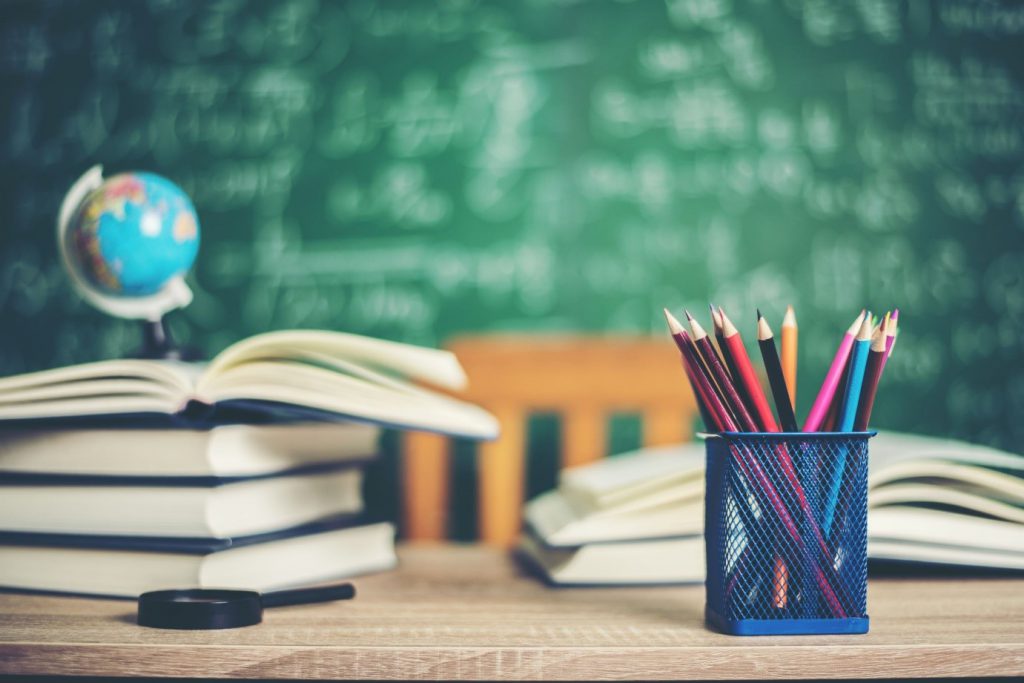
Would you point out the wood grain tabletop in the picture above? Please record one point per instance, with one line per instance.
(470, 613)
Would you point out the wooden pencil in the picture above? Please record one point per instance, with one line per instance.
(730, 364)
(788, 348)
(890, 336)
(847, 413)
(855, 381)
(728, 391)
(717, 348)
(720, 418)
(747, 377)
(872, 376)
(769, 355)
(831, 421)
(828, 388)
(776, 378)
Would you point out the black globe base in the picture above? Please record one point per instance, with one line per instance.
(157, 344)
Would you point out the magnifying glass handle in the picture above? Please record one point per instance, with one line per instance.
(302, 596)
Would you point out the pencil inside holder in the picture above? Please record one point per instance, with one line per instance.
(786, 532)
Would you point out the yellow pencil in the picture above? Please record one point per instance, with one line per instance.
(788, 353)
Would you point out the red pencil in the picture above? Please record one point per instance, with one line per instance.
(747, 376)
(723, 350)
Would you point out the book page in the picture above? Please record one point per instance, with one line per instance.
(101, 388)
(972, 503)
(318, 388)
(433, 366)
(889, 448)
(951, 474)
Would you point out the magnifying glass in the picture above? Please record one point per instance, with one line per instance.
(215, 608)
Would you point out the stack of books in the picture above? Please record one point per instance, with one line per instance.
(125, 476)
(638, 518)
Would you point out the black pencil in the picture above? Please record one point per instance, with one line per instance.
(776, 379)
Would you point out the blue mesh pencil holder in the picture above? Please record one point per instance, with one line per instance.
(785, 532)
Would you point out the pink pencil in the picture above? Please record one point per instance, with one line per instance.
(835, 373)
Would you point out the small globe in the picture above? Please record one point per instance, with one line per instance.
(133, 235)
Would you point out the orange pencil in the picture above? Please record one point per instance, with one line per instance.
(788, 339)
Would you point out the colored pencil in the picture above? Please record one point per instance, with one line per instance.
(725, 383)
(831, 421)
(872, 375)
(730, 364)
(847, 413)
(711, 421)
(716, 324)
(890, 336)
(776, 378)
(719, 415)
(785, 410)
(858, 362)
(747, 377)
(835, 371)
(788, 345)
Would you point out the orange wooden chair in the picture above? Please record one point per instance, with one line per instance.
(584, 379)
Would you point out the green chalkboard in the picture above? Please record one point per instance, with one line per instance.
(415, 170)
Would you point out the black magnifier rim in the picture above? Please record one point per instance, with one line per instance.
(200, 608)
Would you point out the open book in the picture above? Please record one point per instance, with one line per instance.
(930, 500)
(289, 375)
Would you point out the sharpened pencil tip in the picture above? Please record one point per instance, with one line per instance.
(789, 320)
(695, 327)
(728, 329)
(674, 325)
(864, 333)
(759, 316)
(716, 319)
(852, 330)
(688, 316)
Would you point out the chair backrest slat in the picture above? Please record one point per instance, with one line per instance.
(584, 379)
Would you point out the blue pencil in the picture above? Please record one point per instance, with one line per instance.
(848, 412)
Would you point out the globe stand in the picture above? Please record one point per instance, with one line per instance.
(157, 343)
(149, 196)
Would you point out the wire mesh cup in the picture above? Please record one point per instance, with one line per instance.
(786, 532)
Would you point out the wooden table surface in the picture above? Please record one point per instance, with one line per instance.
(464, 612)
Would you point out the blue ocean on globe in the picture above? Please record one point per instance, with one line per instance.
(133, 234)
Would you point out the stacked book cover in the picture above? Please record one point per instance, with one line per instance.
(638, 518)
(124, 476)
